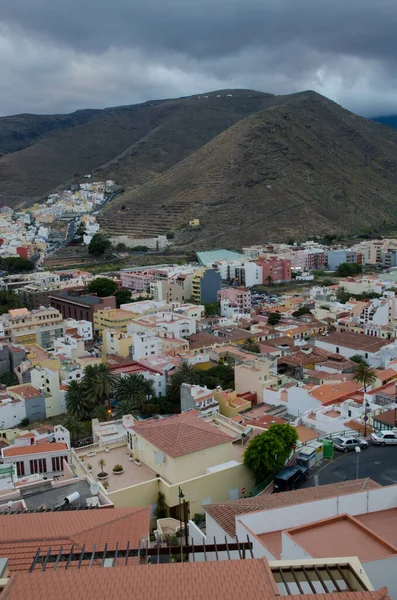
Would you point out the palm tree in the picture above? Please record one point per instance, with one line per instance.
(250, 345)
(99, 384)
(364, 375)
(132, 389)
(101, 413)
(126, 406)
(74, 426)
(102, 464)
(77, 404)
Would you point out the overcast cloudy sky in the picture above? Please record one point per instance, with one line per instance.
(62, 55)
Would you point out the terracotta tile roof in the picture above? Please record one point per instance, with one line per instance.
(21, 535)
(26, 391)
(334, 391)
(356, 341)
(181, 434)
(225, 513)
(186, 581)
(35, 449)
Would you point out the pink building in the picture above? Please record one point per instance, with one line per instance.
(309, 258)
(277, 269)
(240, 296)
(138, 281)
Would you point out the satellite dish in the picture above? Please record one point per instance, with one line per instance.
(94, 489)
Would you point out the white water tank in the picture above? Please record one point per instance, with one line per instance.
(73, 497)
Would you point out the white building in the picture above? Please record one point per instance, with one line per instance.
(145, 344)
(197, 397)
(84, 328)
(31, 457)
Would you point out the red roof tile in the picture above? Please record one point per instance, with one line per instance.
(21, 535)
(231, 580)
(35, 449)
(225, 513)
(181, 434)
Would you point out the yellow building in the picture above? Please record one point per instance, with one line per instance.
(255, 378)
(180, 452)
(230, 405)
(114, 319)
(116, 342)
(194, 223)
(39, 326)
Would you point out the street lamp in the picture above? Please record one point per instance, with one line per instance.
(358, 450)
(181, 496)
(366, 407)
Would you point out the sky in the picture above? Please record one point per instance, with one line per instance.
(63, 55)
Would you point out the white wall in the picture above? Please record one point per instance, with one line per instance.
(11, 414)
(291, 550)
(383, 573)
(373, 359)
(299, 401)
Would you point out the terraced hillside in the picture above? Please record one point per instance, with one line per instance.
(302, 167)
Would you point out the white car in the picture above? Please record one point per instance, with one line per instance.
(384, 438)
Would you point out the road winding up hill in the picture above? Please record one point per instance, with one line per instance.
(250, 166)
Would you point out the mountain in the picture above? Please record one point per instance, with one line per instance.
(128, 143)
(390, 120)
(302, 166)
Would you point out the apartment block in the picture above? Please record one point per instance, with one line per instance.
(238, 296)
(200, 398)
(205, 286)
(77, 304)
(114, 319)
(39, 326)
(275, 269)
(169, 291)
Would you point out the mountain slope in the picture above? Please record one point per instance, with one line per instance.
(303, 167)
(131, 142)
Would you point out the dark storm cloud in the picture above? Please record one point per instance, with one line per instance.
(69, 54)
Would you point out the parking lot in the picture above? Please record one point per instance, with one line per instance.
(380, 464)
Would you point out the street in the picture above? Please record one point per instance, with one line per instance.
(378, 463)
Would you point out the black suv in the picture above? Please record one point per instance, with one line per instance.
(290, 478)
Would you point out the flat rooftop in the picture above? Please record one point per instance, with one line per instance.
(383, 523)
(50, 497)
(340, 535)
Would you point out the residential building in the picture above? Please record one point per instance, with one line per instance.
(338, 256)
(33, 457)
(230, 403)
(238, 296)
(167, 291)
(116, 342)
(69, 347)
(48, 381)
(138, 280)
(205, 286)
(164, 324)
(82, 328)
(77, 304)
(39, 326)
(375, 350)
(114, 319)
(144, 344)
(275, 269)
(241, 273)
(200, 398)
(255, 376)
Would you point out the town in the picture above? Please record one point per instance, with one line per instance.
(198, 413)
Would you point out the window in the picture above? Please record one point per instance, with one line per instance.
(20, 468)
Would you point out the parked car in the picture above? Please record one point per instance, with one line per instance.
(383, 438)
(290, 478)
(346, 443)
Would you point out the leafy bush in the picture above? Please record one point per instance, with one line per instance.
(118, 468)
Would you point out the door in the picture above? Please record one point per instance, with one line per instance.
(233, 494)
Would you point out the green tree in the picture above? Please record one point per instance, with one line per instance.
(160, 510)
(269, 280)
(99, 383)
(99, 244)
(184, 373)
(77, 404)
(274, 318)
(130, 392)
(302, 310)
(74, 426)
(9, 379)
(342, 296)
(16, 264)
(348, 269)
(121, 247)
(211, 308)
(101, 412)
(103, 287)
(251, 346)
(364, 375)
(357, 358)
(9, 301)
(122, 297)
(267, 453)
